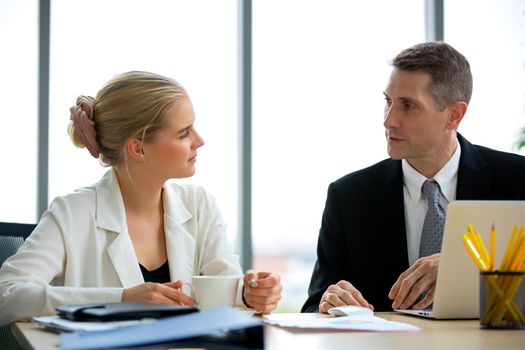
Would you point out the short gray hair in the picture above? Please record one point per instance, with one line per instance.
(450, 76)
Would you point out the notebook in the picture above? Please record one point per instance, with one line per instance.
(457, 285)
(120, 311)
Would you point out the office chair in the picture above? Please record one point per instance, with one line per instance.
(12, 236)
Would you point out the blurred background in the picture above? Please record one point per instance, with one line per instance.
(318, 70)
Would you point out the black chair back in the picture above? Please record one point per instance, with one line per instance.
(16, 230)
(12, 236)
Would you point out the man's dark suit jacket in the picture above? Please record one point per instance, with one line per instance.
(362, 238)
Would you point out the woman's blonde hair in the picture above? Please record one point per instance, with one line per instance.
(131, 105)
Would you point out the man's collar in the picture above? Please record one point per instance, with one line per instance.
(445, 177)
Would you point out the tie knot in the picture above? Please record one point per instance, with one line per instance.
(431, 191)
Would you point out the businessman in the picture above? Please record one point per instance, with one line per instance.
(380, 237)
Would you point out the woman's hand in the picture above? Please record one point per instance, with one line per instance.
(158, 293)
(262, 290)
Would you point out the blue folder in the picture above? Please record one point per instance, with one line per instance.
(224, 327)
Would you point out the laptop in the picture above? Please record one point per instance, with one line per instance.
(457, 285)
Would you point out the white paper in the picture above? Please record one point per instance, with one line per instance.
(351, 323)
(60, 324)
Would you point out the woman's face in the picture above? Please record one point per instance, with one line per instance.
(173, 151)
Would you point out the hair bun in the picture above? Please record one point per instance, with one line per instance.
(84, 124)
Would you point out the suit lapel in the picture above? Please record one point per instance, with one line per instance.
(180, 243)
(473, 181)
(111, 220)
(122, 255)
(390, 217)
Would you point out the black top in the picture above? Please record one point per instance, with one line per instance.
(159, 275)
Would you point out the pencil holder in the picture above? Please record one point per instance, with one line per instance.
(502, 300)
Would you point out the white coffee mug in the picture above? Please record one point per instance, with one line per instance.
(214, 291)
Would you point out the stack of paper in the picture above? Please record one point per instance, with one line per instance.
(59, 324)
(351, 323)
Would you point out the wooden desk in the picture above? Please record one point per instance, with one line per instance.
(434, 335)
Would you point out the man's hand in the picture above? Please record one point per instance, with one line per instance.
(420, 278)
(342, 293)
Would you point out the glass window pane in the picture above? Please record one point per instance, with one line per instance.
(19, 98)
(496, 53)
(193, 42)
(319, 71)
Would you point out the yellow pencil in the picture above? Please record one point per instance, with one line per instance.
(519, 255)
(484, 254)
(508, 250)
(473, 253)
(492, 247)
(475, 242)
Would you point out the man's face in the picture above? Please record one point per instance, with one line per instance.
(415, 129)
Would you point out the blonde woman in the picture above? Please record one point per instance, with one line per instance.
(132, 236)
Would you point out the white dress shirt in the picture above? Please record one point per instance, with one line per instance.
(416, 207)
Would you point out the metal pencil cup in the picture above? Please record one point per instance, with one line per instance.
(502, 300)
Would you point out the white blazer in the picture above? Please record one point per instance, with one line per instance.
(81, 252)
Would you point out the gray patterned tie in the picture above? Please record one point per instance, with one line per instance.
(432, 233)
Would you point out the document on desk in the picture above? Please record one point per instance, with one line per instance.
(62, 325)
(215, 326)
(351, 323)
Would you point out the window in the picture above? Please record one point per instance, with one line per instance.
(18, 88)
(192, 42)
(319, 70)
(496, 54)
